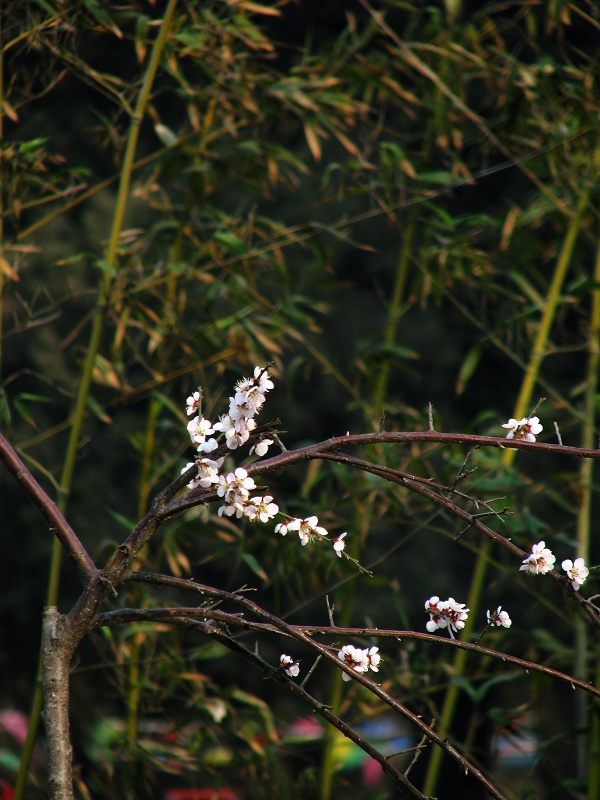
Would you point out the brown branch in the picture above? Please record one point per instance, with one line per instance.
(337, 443)
(48, 509)
(473, 520)
(128, 615)
(298, 691)
(299, 635)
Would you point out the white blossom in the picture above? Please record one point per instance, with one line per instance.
(576, 571)
(289, 665)
(199, 428)
(540, 561)
(262, 380)
(374, 658)
(261, 509)
(457, 614)
(525, 429)
(445, 614)
(499, 617)
(339, 543)
(208, 472)
(193, 403)
(261, 447)
(235, 489)
(282, 528)
(359, 660)
(237, 432)
(308, 530)
(208, 446)
(436, 609)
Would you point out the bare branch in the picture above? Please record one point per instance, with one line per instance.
(48, 509)
(166, 615)
(299, 635)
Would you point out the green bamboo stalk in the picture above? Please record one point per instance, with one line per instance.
(134, 690)
(394, 314)
(587, 752)
(88, 366)
(593, 789)
(522, 408)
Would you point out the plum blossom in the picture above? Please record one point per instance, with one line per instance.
(374, 659)
(262, 380)
(208, 472)
(359, 660)
(199, 428)
(445, 614)
(339, 544)
(237, 432)
(499, 617)
(540, 561)
(354, 657)
(576, 571)
(289, 665)
(308, 530)
(235, 489)
(261, 509)
(261, 447)
(236, 428)
(282, 528)
(525, 429)
(436, 610)
(193, 403)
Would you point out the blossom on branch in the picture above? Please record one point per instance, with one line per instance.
(359, 660)
(261, 447)
(576, 571)
(499, 618)
(199, 428)
(525, 429)
(289, 665)
(193, 403)
(261, 509)
(308, 530)
(540, 561)
(235, 489)
(446, 614)
(339, 544)
(208, 473)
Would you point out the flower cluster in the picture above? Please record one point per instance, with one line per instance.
(235, 427)
(499, 618)
(238, 424)
(540, 561)
(235, 490)
(359, 660)
(247, 401)
(525, 429)
(445, 614)
(288, 664)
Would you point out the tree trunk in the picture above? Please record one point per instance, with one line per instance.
(57, 649)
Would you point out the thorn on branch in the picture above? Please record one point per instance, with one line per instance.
(430, 417)
(279, 443)
(557, 431)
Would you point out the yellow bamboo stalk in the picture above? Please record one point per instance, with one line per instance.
(522, 409)
(88, 366)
